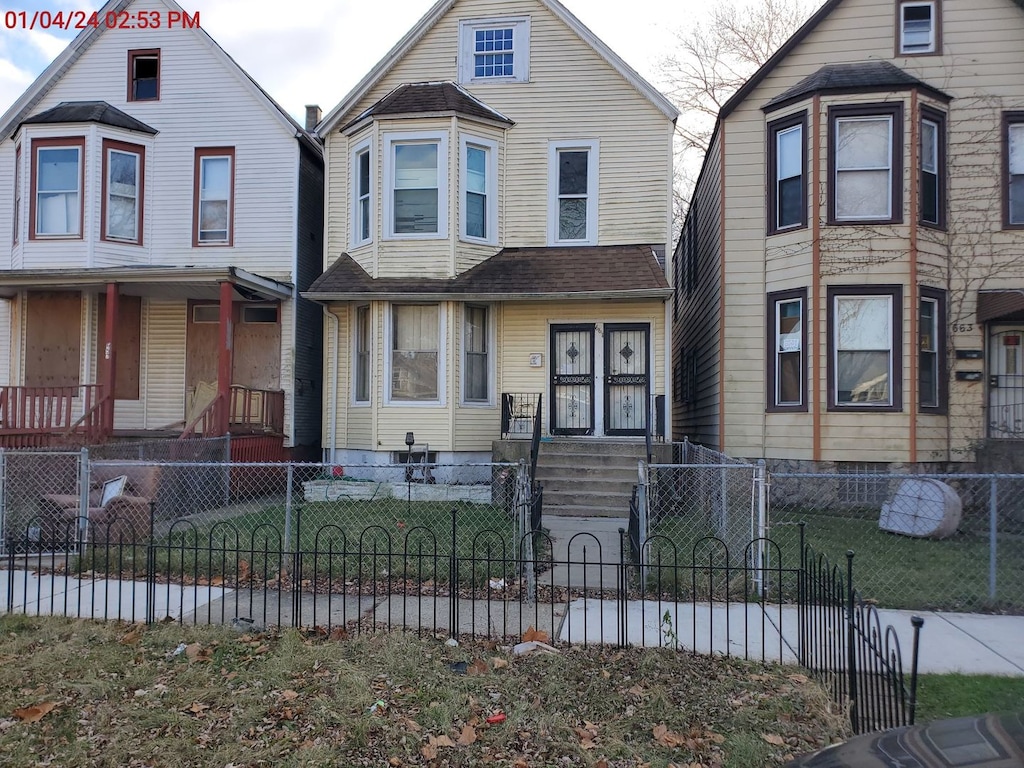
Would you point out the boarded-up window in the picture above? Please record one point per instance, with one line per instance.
(53, 351)
(128, 340)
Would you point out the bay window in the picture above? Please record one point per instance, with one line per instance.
(864, 356)
(417, 196)
(865, 163)
(415, 346)
(787, 187)
(1013, 188)
(122, 201)
(57, 176)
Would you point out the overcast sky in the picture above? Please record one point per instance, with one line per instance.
(315, 51)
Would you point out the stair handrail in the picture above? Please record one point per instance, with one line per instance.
(535, 440)
(91, 417)
(205, 416)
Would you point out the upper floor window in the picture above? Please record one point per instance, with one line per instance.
(572, 192)
(787, 363)
(918, 23)
(1013, 187)
(417, 195)
(213, 200)
(17, 193)
(494, 49)
(865, 163)
(122, 191)
(787, 187)
(56, 201)
(144, 75)
(933, 170)
(479, 189)
(864, 332)
(362, 200)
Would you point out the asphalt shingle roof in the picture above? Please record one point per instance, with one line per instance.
(420, 98)
(90, 112)
(851, 78)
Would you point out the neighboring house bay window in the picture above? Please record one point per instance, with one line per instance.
(57, 187)
(572, 208)
(213, 214)
(494, 49)
(1013, 204)
(865, 163)
(122, 191)
(476, 340)
(418, 191)
(787, 362)
(17, 194)
(931, 346)
(787, 186)
(361, 195)
(479, 185)
(362, 354)
(864, 367)
(415, 345)
(933, 168)
(918, 26)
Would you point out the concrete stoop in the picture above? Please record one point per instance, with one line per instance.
(589, 478)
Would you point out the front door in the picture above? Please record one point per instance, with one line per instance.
(1005, 382)
(572, 379)
(627, 383)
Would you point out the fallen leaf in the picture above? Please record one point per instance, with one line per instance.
(429, 751)
(667, 738)
(534, 634)
(196, 652)
(34, 713)
(499, 663)
(338, 634)
(605, 674)
(289, 695)
(132, 637)
(197, 708)
(717, 738)
(636, 690)
(601, 763)
(774, 738)
(468, 736)
(800, 679)
(478, 667)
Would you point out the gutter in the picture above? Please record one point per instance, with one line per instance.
(646, 293)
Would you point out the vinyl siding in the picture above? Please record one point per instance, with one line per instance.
(164, 382)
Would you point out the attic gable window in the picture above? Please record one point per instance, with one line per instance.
(918, 27)
(144, 75)
(494, 50)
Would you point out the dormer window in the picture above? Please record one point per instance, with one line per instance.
(144, 75)
(918, 27)
(494, 50)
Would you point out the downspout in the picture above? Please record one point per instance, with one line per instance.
(912, 363)
(333, 397)
(815, 399)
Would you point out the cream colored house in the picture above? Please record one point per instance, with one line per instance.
(161, 213)
(498, 216)
(850, 278)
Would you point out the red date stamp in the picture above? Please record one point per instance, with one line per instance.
(74, 20)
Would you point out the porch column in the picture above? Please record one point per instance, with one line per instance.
(224, 362)
(108, 372)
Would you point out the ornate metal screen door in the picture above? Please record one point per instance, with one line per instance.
(627, 379)
(572, 379)
(1006, 382)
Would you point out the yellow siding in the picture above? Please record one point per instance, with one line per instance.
(165, 369)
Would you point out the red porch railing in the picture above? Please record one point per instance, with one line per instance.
(250, 411)
(37, 417)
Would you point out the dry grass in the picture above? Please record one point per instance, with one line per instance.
(122, 697)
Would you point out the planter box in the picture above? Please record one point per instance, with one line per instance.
(333, 490)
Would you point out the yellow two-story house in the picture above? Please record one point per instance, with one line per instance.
(499, 211)
(850, 277)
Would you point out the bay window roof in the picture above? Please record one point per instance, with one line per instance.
(434, 98)
(89, 112)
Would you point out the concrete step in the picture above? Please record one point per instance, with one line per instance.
(598, 486)
(586, 510)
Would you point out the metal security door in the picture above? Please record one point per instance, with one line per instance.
(1006, 383)
(627, 382)
(572, 379)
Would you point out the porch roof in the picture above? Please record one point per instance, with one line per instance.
(559, 273)
(1000, 305)
(152, 281)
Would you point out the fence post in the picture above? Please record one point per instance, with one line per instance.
(4, 539)
(802, 601)
(993, 538)
(151, 565)
(643, 516)
(621, 591)
(760, 480)
(296, 551)
(453, 582)
(83, 495)
(918, 622)
(851, 647)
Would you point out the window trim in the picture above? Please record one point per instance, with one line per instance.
(1009, 119)
(357, 350)
(363, 147)
(466, 57)
(775, 129)
(111, 145)
(141, 53)
(593, 149)
(895, 295)
(16, 214)
(489, 336)
(936, 29)
(391, 140)
(774, 300)
(942, 361)
(893, 111)
(76, 142)
(441, 356)
(200, 154)
(931, 115)
(491, 181)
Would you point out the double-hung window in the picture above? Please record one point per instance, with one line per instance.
(787, 186)
(144, 75)
(476, 369)
(866, 163)
(122, 191)
(479, 189)
(573, 189)
(864, 331)
(1013, 196)
(361, 330)
(417, 195)
(496, 49)
(415, 347)
(933, 171)
(918, 27)
(17, 194)
(56, 202)
(931, 348)
(213, 199)
(787, 361)
(361, 195)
